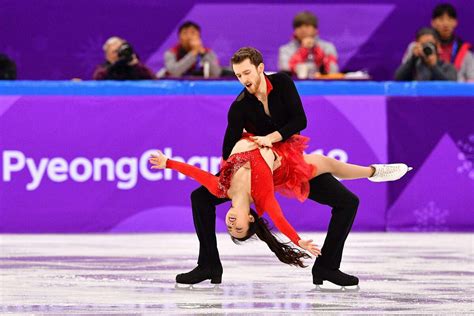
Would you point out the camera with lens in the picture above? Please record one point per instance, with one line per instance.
(125, 52)
(429, 48)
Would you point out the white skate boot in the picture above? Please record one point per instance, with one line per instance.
(389, 172)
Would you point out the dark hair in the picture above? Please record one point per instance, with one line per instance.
(283, 251)
(427, 31)
(442, 9)
(7, 68)
(251, 53)
(305, 18)
(189, 24)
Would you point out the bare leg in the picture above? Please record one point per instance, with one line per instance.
(338, 168)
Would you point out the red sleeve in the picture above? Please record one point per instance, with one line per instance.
(318, 56)
(298, 57)
(264, 196)
(207, 179)
(271, 206)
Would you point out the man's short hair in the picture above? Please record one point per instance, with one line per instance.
(251, 53)
(305, 18)
(189, 24)
(427, 31)
(442, 9)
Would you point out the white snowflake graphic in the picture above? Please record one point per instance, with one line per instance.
(431, 218)
(466, 157)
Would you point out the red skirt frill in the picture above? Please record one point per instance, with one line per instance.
(291, 179)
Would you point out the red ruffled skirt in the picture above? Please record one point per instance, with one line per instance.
(291, 179)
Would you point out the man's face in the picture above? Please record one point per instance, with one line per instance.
(305, 30)
(248, 75)
(187, 35)
(445, 25)
(111, 51)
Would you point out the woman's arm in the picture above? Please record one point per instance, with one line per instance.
(264, 196)
(263, 193)
(207, 179)
(272, 207)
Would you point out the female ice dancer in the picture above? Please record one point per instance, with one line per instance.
(252, 174)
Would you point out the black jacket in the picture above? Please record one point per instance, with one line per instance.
(247, 112)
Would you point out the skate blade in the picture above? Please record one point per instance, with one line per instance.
(333, 288)
(203, 287)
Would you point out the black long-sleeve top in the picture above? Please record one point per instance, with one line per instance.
(247, 112)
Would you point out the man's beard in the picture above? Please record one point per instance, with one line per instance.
(255, 85)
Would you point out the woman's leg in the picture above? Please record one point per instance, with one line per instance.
(338, 168)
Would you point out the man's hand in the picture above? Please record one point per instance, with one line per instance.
(308, 245)
(158, 160)
(417, 50)
(196, 46)
(307, 42)
(134, 60)
(262, 141)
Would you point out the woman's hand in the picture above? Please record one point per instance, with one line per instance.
(308, 245)
(277, 163)
(158, 160)
(262, 141)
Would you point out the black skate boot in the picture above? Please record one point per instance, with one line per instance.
(346, 282)
(198, 275)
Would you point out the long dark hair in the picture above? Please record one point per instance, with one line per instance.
(283, 251)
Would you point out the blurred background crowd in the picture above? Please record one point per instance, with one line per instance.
(436, 51)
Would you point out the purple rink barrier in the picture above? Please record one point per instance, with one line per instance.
(74, 155)
(436, 134)
(65, 38)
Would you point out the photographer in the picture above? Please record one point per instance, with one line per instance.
(121, 63)
(422, 63)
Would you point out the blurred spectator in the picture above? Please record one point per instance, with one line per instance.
(189, 57)
(121, 63)
(423, 62)
(7, 68)
(307, 49)
(452, 49)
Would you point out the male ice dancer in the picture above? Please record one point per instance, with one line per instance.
(270, 107)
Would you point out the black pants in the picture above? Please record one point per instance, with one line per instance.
(324, 189)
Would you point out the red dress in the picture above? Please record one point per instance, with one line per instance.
(291, 178)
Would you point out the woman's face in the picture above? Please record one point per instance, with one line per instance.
(237, 221)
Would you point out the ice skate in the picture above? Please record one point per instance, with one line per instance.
(196, 279)
(203, 286)
(336, 280)
(389, 172)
